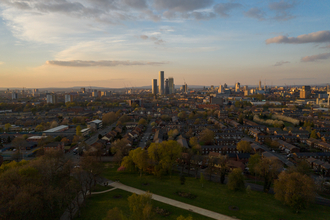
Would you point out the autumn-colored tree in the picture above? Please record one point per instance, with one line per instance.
(295, 190)
(53, 124)
(7, 127)
(78, 130)
(140, 206)
(207, 136)
(109, 118)
(172, 133)
(183, 218)
(253, 161)
(244, 146)
(142, 121)
(314, 134)
(269, 170)
(140, 159)
(120, 148)
(115, 214)
(236, 180)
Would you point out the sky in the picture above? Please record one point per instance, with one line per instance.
(125, 43)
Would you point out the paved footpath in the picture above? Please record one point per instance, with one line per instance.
(173, 202)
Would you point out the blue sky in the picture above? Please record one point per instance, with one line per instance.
(114, 43)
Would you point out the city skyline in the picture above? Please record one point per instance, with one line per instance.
(70, 43)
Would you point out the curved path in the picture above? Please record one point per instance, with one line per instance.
(172, 202)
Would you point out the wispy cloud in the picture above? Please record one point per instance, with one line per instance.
(223, 9)
(255, 13)
(280, 63)
(317, 57)
(325, 47)
(315, 37)
(282, 9)
(156, 40)
(104, 63)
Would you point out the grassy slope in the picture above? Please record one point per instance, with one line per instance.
(97, 207)
(218, 198)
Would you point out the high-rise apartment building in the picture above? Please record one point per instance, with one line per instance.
(171, 85)
(260, 85)
(225, 86)
(51, 98)
(67, 98)
(14, 96)
(154, 86)
(161, 83)
(82, 90)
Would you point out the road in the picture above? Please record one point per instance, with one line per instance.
(146, 135)
(103, 132)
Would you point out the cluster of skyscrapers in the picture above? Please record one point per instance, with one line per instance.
(166, 86)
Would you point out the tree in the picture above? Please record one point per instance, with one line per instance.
(153, 124)
(269, 170)
(115, 214)
(193, 141)
(197, 121)
(99, 136)
(120, 148)
(7, 127)
(109, 118)
(253, 161)
(140, 206)
(53, 124)
(302, 166)
(207, 136)
(172, 133)
(222, 166)
(92, 168)
(142, 121)
(78, 130)
(313, 134)
(164, 155)
(236, 180)
(183, 218)
(295, 190)
(202, 179)
(244, 146)
(140, 158)
(182, 115)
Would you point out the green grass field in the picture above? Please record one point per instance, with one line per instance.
(216, 197)
(97, 206)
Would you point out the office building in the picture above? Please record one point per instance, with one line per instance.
(82, 90)
(94, 93)
(225, 86)
(184, 88)
(167, 89)
(154, 86)
(221, 89)
(260, 85)
(161, 82)
(171, 85)
(305, 92)
(237, 87)
(51, 98)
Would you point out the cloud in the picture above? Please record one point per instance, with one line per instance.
(203, 15)
(325, 47)
(315, 37)
(156, 40)
(255, 13)
(317, 57)
(102, 63)
(281, 8)
(280, 63)
(223, 9)
(182, 5)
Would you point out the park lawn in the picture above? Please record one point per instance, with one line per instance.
(97, 206)
(217, 198)
(99, 188)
